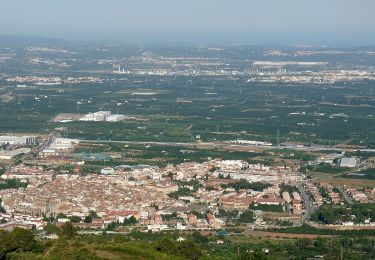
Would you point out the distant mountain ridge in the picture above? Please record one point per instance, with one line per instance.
(25, 41)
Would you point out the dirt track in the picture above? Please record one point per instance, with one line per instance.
(283, 235)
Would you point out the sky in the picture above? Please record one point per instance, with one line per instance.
(314, 22)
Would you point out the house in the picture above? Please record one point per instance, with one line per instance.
(192, 219)
(297, 206)
(211, 219)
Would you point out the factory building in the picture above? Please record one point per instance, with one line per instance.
(103, 116)
(17, 140)
(97, 116)
(9, 155)
(349, 162)
(115, 118)
(59, 146)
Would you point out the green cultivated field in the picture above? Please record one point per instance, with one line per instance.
(220, 109)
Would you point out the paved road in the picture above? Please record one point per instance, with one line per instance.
(100, 232)
(346, 196)
(226, 144)
(309, 205)
(144, 143)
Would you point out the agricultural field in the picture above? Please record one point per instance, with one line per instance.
(185, 109)
(202, 95)
(354, 182)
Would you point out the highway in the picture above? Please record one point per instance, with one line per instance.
(146, 143)
(228, 145)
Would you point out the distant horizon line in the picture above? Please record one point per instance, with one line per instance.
(194, 43)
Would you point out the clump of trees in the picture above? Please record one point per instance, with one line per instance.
(306, 229)
(186, 249)
(182, 191)
(67, 231)
(246, 216)
(288, 188)
(228, 214)
(267, 208)
(17, 240)
(324, 193)
(13, 184)
(327, 168)
(75, 219)
(90, 217)
(127, 222)
(338, 214)
(244, 184)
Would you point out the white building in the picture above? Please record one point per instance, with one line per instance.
(49, 152)
(97, 116)
(107, 171)
(104, 116)
(115, 118)
(157, 227)
(58, 146)
(286, 197)
(296, 196)
(349, 162)
(249, 142)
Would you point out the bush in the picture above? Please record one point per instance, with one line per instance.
(166, 246)
(75, 219)
(17, 240)
(67, 231)
(247, 216)
(190, 250)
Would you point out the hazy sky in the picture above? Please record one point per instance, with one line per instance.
(340, 22)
